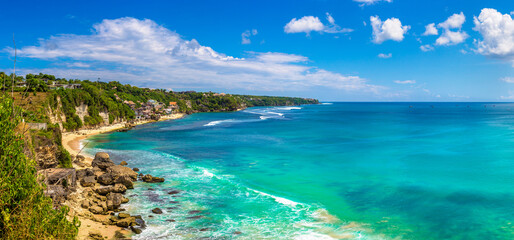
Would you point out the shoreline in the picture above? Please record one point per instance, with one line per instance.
(71, 141)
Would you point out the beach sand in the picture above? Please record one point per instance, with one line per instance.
(71, 141)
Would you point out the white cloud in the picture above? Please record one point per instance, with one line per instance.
(405, 82)
(508, 79)
(497, 31)
(370, 2)
(430, 29)
(245, 36)
(144, 53)
(390, 29)
(383, 55)
(308, 24)
(305, 24)
(426, 48)
(449, 37)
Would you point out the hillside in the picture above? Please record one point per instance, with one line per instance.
(76, 104)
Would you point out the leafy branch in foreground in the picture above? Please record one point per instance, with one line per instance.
(25, 212)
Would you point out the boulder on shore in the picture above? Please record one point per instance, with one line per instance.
(151, 179)
(118, 171)
(106, 179)
(123, 163)
(157, 210)
(88, 181)
(114, 200)
(125, 180)
(102, 161)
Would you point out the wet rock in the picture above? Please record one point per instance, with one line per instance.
(237, 232)
(151, 179)
(204, 229)
(135, 230)
(194, 211)
(124, 200)
(88, 181)
(102, 161)
(123, 163)
(174, 202)
(135, 169)
(157, 211)
(173, 192)
(195, 217)
(123, 215)
(170, 220)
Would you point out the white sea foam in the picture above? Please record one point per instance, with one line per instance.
(289, 108)
(207, 173)
(278, 199)
(214, 123)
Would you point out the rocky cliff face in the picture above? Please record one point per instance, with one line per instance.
(81, 111)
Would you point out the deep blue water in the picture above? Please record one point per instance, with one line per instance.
(358, 170)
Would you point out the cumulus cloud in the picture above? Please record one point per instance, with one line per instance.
(405, 82)
(426, 48)
(497, 31)
(384, 55)
(430, 29)
(308, 24)
(449, 37)
(390, 29)
(144, 53)
(370, 2)
(245, 36)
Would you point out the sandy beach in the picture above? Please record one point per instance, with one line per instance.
(71, 141)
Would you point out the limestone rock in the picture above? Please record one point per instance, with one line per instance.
(157, 210)
(123, 215)
(114, 200)
(102, 161)
(151, 179)
(126, 222)
(135, 169)
(125, 180)
(85, 204)
(88, 181)
(106, 179)
(123, 163)
(96, 209)
(118, 171)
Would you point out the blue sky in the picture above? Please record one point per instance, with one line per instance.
(346, 50)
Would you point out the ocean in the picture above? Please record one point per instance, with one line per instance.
(328, 171)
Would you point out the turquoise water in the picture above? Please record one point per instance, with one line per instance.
(331, 171)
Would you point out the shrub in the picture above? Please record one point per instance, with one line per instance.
(25, 212)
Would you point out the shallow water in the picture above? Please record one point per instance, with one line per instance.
(342, 170)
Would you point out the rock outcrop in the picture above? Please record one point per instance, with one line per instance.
(151, 179)
(102, 161)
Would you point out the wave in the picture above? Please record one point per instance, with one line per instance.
(326, 103)
(281, 200)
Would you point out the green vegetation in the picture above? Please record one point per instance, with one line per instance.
(112, 97)
(25, 212)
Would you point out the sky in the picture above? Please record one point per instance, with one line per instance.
(332, 50)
